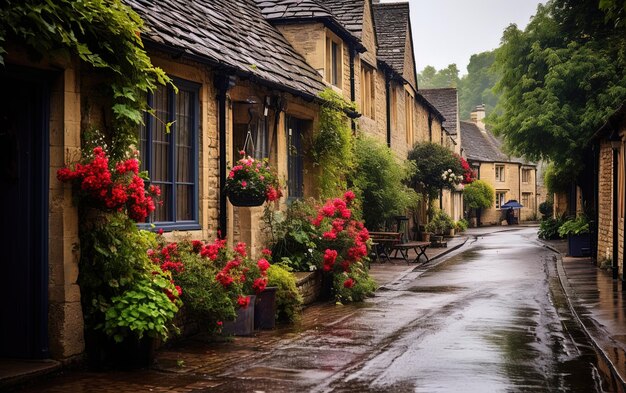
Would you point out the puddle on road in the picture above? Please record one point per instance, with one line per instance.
(435, 289)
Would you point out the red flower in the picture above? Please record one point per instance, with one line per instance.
(266, 252)
(349, 283)
(259, 285)
(224, 279)
(329, 235)
(240, 248)
(263, 264)
(349, 196)
(243, 302)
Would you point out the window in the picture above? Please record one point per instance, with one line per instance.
(525, 175)
(295, 164)
(500, 173)
(333, 61)
(368, 91)
(258, 143)
(500, 198)
(526, 200)
(408, 105)
(171, 158)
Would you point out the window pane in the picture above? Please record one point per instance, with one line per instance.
(184, 153)
(184, 202)
(335, 63)
(162, 211)
(160, 137)
(143, 144)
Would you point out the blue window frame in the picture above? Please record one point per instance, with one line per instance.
(295, 164)
(171, 158)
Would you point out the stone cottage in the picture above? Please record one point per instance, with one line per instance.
(608, 154)
(511, 178)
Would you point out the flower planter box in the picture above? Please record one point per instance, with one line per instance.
(243, 325)
(104, 353)
(579, 245)
(265, 309)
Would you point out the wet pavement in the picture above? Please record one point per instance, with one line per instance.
(489, 317)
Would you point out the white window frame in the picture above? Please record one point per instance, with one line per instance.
(500, 199)
(499, 173)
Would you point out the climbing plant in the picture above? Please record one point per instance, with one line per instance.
(106, 35)
(332, 145)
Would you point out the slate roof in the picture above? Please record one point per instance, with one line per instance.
(230, 34)
(293, 11)
(349, 13)
(445, 100)
(391, 21)
(483, 146)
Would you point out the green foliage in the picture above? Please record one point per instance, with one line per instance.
(461, 225)
(116, 273)
(362, 287)
(555, 179)
(574, 226)
(288, 297)
(478, 195)
(331, 147)
(561, 78)
(476, 87)
(430, 78)
(431, 161)
(440, 223)
(143, 309)
(546, 209)
(206, 301)
(549, 228)
(294, 236)
(104, 34)
(379, 181)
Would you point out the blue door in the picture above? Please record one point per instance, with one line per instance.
(23, 214)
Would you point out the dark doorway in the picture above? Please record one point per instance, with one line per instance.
(24, 107)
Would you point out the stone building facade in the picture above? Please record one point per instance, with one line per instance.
(610, 161)
(512, 178)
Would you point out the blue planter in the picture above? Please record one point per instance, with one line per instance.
(579, 245)
(243, 325)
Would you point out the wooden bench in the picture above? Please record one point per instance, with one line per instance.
(383, 243)
(418, 247)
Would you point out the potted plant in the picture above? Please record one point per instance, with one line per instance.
(251, 182)
(578, 236)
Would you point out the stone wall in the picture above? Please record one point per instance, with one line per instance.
(605, 204)
(309, 285)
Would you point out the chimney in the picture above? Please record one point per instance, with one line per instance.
(478, 116)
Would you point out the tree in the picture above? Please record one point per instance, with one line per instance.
(478, 195)
(433, 164)
(380, 182)
(430, 78)
(476, 87)
(560, 79)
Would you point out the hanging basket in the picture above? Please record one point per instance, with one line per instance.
(246, 200)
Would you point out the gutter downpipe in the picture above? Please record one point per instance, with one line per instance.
(388, 99)
(222, 83)
(352, 93)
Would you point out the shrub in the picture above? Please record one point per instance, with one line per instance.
(379, 181)
(440, 223)
(288, 298)
(461, 225)
(294, 237)
(432, 162)
(574, 226)
(549, 228)
(353, 286)
(546, 209)
(478, 195)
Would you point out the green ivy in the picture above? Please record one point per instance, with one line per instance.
(332, 145)
(104, 34)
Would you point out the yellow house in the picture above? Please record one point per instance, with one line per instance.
(511, 178)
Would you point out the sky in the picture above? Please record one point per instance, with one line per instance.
(451, 31)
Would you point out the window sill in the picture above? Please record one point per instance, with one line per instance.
(172, 226)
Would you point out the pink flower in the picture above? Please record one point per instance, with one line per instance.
(349, 196)
(243, 184)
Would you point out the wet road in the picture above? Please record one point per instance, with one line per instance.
(489, 318)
